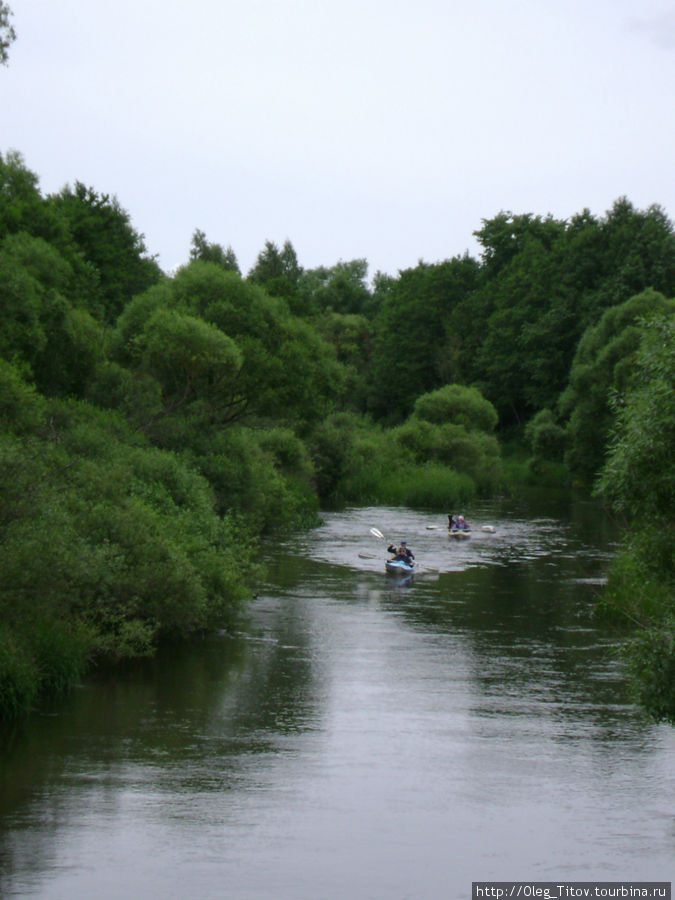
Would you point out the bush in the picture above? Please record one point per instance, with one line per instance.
(264, 474)
(459, 405)
(545, 436)
(651, 656)
(474, 454)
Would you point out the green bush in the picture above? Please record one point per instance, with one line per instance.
(459, 405)
(545, 437)
(475, 454)
(651, 663)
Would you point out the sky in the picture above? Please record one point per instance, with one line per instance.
(378, 129)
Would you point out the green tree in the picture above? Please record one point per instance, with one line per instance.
(351, 335)
(7, 32)
(195, 363)
(22, 334)
(342, 288)
(103, 232)
(638, 481)
(544, 282)
(522, 359)
(207, 252)
(60, 344)
(638, 478)
(278, 271)
(505, 235)
(639, 252)
(414, 342)
(289, 371)
(603, 364)
(22, 206)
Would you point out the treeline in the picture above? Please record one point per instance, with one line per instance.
(153, 426)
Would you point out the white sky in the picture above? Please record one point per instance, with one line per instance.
(384, 129)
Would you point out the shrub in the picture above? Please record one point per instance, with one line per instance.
(545, 436)
(459, 405)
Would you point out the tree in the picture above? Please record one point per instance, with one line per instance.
(504, 236)
(638, 481)
(521, 324)
(278, 271)
(543, 282)
(7, 33)
(207, 252)
(22, 334)
(413, 342)
(603, 364)
(22, 207)
(639, 251)
(351, 336)
(59, 342)
(518, 363)
(341, 288)
(289, 372)
(194, 362)
(106, 238)
(638, 478)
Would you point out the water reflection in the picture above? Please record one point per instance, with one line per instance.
(359, 737)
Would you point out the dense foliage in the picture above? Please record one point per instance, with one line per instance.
(153, 427)
(638, 481)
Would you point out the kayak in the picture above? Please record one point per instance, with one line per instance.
(460, 534)
(399, 567)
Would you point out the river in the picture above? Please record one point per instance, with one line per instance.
(360, 737)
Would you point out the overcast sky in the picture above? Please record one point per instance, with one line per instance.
(384, 129)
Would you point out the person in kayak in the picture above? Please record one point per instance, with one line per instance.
(402, 552)
(458, 523)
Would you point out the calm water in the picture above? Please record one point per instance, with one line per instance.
(360, 738)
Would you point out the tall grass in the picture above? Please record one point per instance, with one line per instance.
(38, 659)
(431, 487)
(428, 486)
(19, 677)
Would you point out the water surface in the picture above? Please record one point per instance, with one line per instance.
(360, 737)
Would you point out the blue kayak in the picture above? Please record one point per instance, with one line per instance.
(399, 567)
